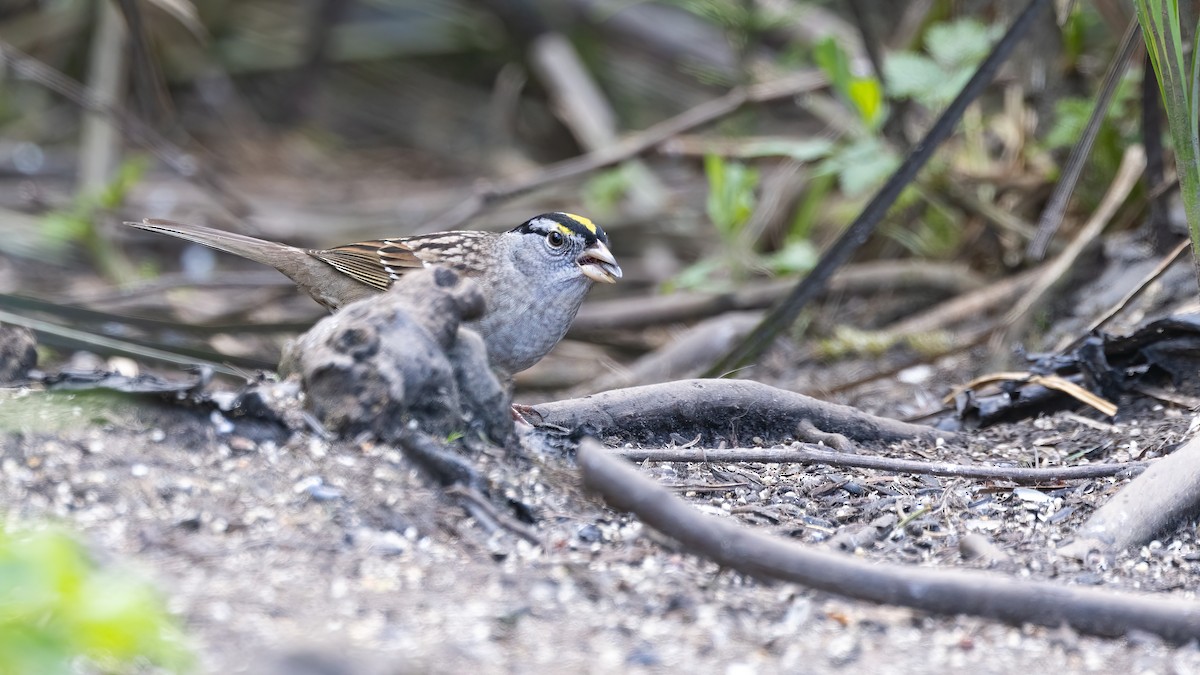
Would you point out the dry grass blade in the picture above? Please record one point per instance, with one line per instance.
(70, 337)
(185, 13)
(1053, 214)
(1123, 183)
(1159, 269)
(1048, 381)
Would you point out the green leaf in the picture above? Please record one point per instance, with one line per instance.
(861, 165)
(831, 59)
(701, 276)
(910, 75)
(867, 96)
(795, 256)
(604, 191)
(959, 43)
(57, 606)
(731, 188)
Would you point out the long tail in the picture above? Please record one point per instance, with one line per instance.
(259, 250)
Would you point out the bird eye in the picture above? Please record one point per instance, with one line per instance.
(556, 239)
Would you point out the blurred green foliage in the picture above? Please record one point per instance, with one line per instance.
(953, 50)
(864, 160)
(731, 198)
(864, 94)
(57, 607)
(76, 225)
(1179, 84)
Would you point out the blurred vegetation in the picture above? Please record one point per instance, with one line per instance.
(1179, 82)
(57, 607)
(324, 121)
(428, 74)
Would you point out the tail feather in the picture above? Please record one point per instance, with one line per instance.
(258, 250)
(319, 279)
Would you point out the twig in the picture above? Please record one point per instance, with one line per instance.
(863, 278)
(810, 454)
(580, 103)
(967, 306)
(967, 200)
(784, 315)
(1053, 214)
(1152, 276)
(100, 144)
(941, 591)
(478, 505)
(488, 193)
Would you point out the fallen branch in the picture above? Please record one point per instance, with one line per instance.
(809, 454)
(1164, 494)
(720, 411)
(682, 357)
(939, 591)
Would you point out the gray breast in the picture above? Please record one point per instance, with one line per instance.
(520, 330)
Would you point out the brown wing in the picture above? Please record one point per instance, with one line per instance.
(375, 263)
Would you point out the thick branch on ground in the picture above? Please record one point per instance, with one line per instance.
(811, 454)
(718, 410)
(1168, 491)
(939, 591)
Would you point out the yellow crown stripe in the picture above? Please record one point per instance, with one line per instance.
(586, 222)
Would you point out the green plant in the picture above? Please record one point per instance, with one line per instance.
(864, 94)
(77, 224)
(1179, 84)
(952, 52)
(864, 160)
(731, 198)
(731, 201)
(57, 606)
(603, 192)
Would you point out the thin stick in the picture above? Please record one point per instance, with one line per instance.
(1160, 269)
(479, 507)
(809, 454)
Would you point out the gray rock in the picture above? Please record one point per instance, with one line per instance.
(401, 357)
(18, 353)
